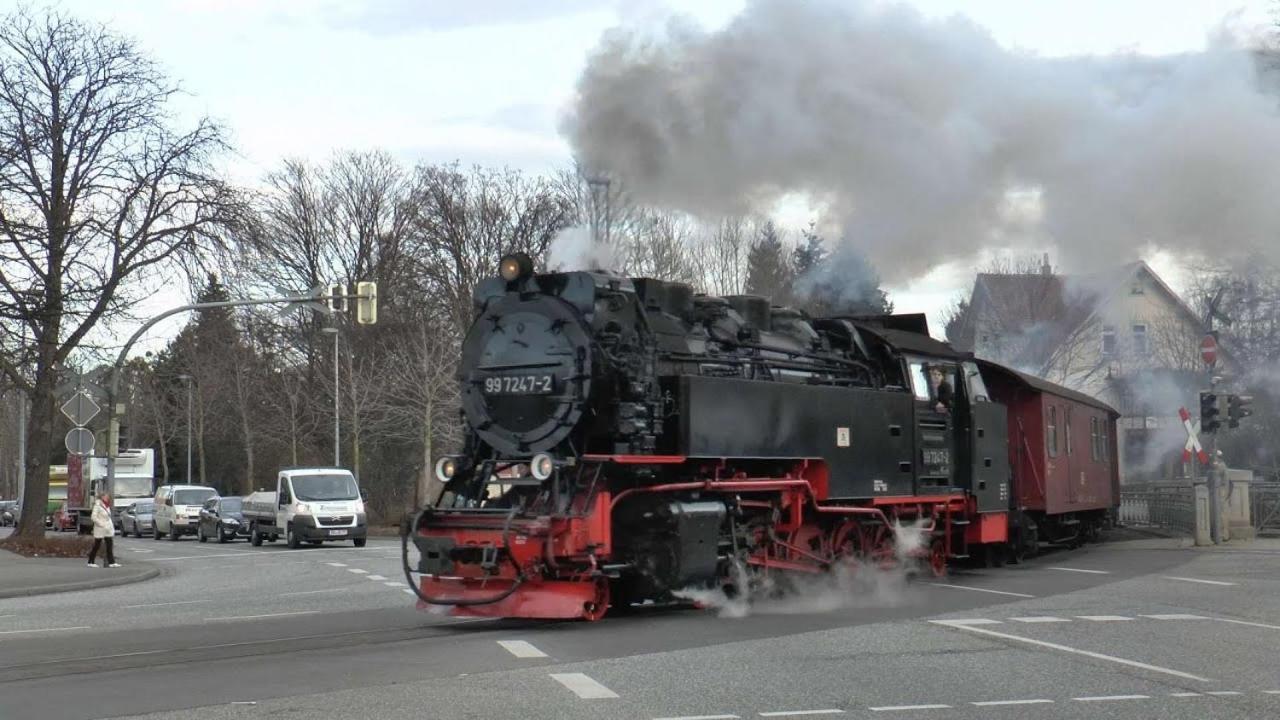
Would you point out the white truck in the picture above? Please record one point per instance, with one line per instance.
(311, 505)
(135, 479)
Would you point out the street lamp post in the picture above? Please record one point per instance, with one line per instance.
(187, 380)
(337, 422)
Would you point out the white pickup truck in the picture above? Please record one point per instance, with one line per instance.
(308, 505)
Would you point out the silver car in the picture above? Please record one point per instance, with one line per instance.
(138, 519)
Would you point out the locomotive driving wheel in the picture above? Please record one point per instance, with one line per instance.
(937, 559)
(854, 544)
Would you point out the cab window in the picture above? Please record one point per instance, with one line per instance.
(920, 380)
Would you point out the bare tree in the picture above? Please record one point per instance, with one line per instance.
(96, 190)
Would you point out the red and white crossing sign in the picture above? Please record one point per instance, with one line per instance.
(1193, 441)
(1209, 350)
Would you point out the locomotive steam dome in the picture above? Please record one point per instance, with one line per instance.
(526, 372)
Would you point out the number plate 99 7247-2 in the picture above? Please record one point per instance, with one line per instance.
(538, 384)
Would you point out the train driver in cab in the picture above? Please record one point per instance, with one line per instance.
(942, 389)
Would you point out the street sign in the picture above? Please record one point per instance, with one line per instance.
(80, 409)
(79, 441)
(1193, 441)
(1209, 350)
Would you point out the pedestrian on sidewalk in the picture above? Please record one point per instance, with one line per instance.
(103, 530)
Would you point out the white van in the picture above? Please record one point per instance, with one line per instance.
(178, 509)
(311, 505)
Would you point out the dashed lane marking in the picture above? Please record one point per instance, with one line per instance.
(1110, 698)
(982, 590)
(1040, 619)
(1175, 616)
(1198, 580)
(410, 592)
(358, 571)
(587, 689)
(138, 550)
(798, 713)
(175, 602)
(255, 617)
(336, 564)
(315, 592)
(1081, 570)
(378, 578)
(1223, 692)
(970, 621)
(891, 708)
(521, 649)
(209, 555)
(700, 717)
(1271, 692)
(1073, 651)
(40, 630)
(1185, 694)
(996, 703)
(392, 584)
(1104, 618)
(1246, 622)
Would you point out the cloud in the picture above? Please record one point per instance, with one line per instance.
(392, 17)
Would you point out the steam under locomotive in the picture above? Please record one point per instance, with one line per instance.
(627, 439)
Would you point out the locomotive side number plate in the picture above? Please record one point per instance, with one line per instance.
(538, 384)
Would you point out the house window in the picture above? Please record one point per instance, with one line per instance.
(1108, 340)
(1136, 289)
(1051, 431)
(1140, 346)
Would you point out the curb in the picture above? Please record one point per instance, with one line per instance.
(95, 584)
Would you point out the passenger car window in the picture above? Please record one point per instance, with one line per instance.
(1051, 431)
(1067, 429)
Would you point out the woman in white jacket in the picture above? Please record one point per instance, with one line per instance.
(103, 529)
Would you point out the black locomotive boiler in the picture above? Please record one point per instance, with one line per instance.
(627, 438)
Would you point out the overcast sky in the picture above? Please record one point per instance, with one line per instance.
(484, 81)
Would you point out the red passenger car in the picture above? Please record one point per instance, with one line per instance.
(1062, 445)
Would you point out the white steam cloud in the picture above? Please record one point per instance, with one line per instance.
(573, 248)
(923, 139)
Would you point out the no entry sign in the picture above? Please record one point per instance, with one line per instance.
(1209, 350)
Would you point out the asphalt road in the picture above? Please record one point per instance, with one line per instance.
(1128, 630)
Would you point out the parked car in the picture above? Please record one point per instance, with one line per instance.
(221, 518)
(63, 519)
(177, 510)
(8, 512)
(138, 519)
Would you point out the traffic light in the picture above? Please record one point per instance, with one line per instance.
(366, 302)
(1238, 409)
(337, 298)
(1209, 412)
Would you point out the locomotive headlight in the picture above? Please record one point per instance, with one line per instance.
(542, 466)
(515, 266)
(445, 468)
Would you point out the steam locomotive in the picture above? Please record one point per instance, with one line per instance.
(627, 439)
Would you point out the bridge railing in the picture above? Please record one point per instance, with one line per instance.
(1264, 506)
(1170, 506)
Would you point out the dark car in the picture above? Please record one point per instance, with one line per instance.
(139, 519)
(220, 518)
(8, 512)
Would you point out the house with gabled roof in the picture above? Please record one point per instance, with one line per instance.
(1122, 336)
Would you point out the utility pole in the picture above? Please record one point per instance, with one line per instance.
(187, 380)
(337, 417)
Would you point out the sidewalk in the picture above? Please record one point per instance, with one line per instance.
(20, 576)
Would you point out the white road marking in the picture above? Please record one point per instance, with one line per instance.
(1104, 618)
(521, 649)
(140, 551)
(1176, 616)
(993, 703)
(378, 578)
(176, 602)
(1075, 651)
(244, 702)
(1246, 622)
(1081, 570)
(255, 617)
(1040, 619)
(1271, 692)
(1185, 694)
(392, 584)
(984, 590)
(1109, 698)
(411, 592)
(1223, 692)
(797, 713)
(40, 630)
(586, 688)
(358, 571)
(890, 708)
(971, 621)
(336, 564)
(209, 555)
(1198, 580)
(313, 592)
(700, 717)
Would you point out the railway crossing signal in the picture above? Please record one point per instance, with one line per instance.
(1193, 441)
(1238, 408)
(1210, 409)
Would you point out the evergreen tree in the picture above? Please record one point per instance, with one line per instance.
(768, 272)
(843, 282)
(809, 254)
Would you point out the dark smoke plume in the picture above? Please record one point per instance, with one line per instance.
(925, 141)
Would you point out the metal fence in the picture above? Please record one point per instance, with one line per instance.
(1264, 507)
(1160, 505)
